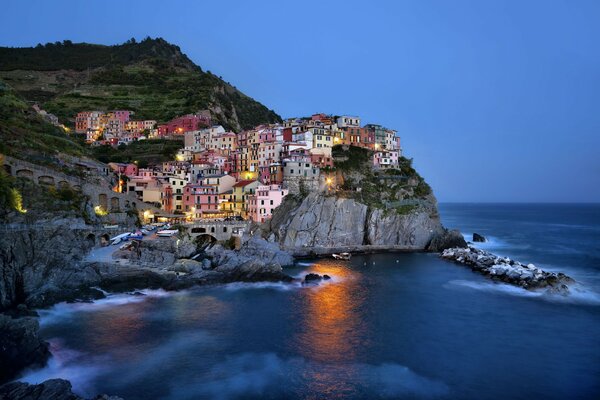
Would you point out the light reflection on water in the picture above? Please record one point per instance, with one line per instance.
(332, 328)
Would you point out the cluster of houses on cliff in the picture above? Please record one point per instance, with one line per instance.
(220, 174)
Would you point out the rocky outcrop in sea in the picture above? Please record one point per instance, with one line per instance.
(509, 271)
(320, 224)
(52, 389)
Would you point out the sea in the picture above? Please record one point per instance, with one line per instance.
(386, 326)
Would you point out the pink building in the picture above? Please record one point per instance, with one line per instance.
(123, 115)
(385, 159)
(125, 169)
(264, 201)
(200, 201)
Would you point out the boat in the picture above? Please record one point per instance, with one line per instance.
(137, 235)
(342, 256)
(120, 238)
(167, 232)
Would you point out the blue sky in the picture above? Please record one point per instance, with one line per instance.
(494, 100)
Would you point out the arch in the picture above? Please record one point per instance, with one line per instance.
(8, 168)
(224, 229)
(198, 230)
(203, 241)
(114, 204)
(103, 201)
(25, 173)
(63, 185)
(212, 229)
(91, 239)
(46, 180)
(104, 239)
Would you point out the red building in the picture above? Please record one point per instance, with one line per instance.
(185, 123)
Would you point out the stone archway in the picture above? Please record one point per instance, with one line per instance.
(103, 201)
(114, 204)
(46, 180)
(63, 185)
(91, 239)
(205, 240)
(25, 173)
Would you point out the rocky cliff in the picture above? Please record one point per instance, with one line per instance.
(323, 224)
(362, 210)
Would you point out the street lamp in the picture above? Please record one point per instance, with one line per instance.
(329, 182)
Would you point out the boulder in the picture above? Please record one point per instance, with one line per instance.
(52, 389)
(447, 239)
(479, 238)
(312, 278)
(20, 346)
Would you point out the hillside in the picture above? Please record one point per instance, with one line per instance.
(26, 135)
(153, 78)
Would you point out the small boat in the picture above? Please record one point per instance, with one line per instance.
(167, 232)
(342, 256)
(120, 238)
(145, 232)
(137, 235)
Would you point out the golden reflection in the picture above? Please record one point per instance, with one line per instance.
(333, 327)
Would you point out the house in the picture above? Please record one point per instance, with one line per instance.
(200, 201)
(346, 121)
(264, 201)
(223, 183)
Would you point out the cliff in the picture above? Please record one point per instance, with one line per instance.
(325, 224)
(153, 78)
(362, 210)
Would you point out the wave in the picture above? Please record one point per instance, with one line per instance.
(81, 370)
(256, 374)
(282, 286)
(61, 311)
(577, 295)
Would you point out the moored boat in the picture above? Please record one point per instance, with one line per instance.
(341, 256)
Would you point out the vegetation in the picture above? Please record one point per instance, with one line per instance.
(28, 136)
(142, 152)
(396, 190)
(153, 78)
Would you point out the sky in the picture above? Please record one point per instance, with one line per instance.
(496, 101)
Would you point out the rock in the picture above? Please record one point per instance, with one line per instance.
(52, 389)
(20, 346)
(312, 278)
(445, 240)
(40, 262)
(326, 277)
(479, 238)
(321, 224)
(509, 271)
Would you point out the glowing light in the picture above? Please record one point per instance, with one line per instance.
(100, 211)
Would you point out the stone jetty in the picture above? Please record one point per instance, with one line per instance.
(509, 271)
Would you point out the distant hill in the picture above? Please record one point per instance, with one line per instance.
(152, 77)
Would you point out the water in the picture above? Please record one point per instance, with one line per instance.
(386, 326)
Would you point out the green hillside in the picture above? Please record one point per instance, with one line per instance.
(26, 135)
(153, 78)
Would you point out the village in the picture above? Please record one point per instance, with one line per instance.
(219, 174)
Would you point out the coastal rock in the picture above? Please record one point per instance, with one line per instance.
(20, 346)
(509, 271)
(40, 263)
(321, 224)
(52, 389)
(477, 238)
(312, 278)
(446, 239)
(256, 260)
